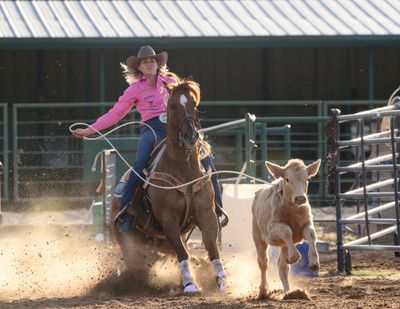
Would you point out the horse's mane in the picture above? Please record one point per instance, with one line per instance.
(191, 85)
(194, 89)
(205, 147)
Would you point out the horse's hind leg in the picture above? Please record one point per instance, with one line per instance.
(207, 223)
(175, 240)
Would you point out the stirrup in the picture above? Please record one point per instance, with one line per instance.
(126, 225)
(225, 219)
(119, 214)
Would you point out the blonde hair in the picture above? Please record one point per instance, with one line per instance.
(133, 74)
(385, 124)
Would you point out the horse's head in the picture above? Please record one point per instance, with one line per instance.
(183, 119)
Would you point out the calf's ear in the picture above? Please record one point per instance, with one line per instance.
(276, 170)
(313, 168)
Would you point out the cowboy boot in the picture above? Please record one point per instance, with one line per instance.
(125, 222)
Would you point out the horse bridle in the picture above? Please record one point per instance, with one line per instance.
(192, 122)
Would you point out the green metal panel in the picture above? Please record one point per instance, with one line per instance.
(288, 148)
(15, 151)
(320, 142)
(322, 106)
(371, 69)
(126, 146)
(34, 131)
(4, 153)
(264, 132)
(48, 161)
(238, 145)
(250, 144)
(102, 81)
(264, 149)
(230, 129)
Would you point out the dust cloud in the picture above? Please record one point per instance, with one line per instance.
(238, 249)
(56, 255)
(48, 262)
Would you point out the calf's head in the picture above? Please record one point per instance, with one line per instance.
(295, 175)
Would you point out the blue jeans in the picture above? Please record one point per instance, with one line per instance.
(143, 151)
(208, 162)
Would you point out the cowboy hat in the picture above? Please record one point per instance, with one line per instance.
(146, 52)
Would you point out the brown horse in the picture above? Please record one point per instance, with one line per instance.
(178, 211)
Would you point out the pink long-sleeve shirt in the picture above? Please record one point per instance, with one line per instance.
(150, 101)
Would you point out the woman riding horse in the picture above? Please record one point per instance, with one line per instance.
(191, 201)
(149, 93)
(148, 79)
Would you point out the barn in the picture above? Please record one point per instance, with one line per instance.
(254, 57)
(273, 76)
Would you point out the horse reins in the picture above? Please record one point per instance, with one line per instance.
(194, 123)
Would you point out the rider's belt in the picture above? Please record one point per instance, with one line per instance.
(163, 117)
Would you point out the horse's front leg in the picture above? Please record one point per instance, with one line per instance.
(311, 237)
(207, 223)
(172, 232)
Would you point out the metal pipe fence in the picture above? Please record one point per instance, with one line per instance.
(374, 192)
(310, 131)
(4, 151)
(47, 161)
(255, 150)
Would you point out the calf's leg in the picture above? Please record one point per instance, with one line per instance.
(283, 268)
(262, 259)
(313, 258)
(284, 232)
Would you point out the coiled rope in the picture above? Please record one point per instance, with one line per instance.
(104, 136)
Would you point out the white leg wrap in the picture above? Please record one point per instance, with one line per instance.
(220, 273)
(218, 268)
(187, 279)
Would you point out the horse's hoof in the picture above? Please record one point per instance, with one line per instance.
(190, 288)
(222, 284)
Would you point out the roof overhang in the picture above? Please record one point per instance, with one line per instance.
(61, 24)
(201, 42)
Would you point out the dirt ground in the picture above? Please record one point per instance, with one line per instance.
(52, 266)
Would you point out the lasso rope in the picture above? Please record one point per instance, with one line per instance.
(101, 135)
(391, 97)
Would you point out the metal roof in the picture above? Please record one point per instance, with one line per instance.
(198, 21)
